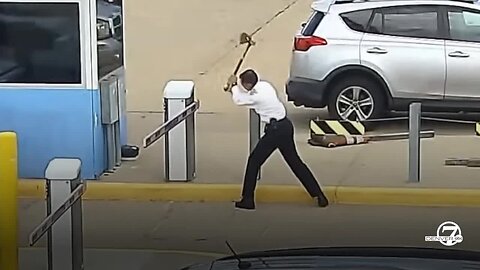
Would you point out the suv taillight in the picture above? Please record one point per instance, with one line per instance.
(303, 43)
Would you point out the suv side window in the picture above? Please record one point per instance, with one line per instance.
(464, 24)
(407, 21)
(357, 20)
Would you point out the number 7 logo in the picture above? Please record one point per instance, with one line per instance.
(454, 238)
(454, 229)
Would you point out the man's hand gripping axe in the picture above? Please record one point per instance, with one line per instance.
(244, 39)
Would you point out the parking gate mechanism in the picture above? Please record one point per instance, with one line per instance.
(179, 131)
(64, 225)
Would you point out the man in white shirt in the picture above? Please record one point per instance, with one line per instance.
(262, 97)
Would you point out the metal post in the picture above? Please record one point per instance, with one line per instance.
(179, 105)
(65, 238)
(118, 144)
(111, 151)
(8, 201)
(414, 142)
(122, 93)
(255, 133)
(117, 125)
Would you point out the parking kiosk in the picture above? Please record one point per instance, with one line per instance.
(54, 56)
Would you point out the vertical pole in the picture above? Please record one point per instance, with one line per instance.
(255, 133)
(117, 124)
(118, 144)
(414, 142)
(122, 94)
(8, 201)
(65, 245)
(111, 151)
(77, 228)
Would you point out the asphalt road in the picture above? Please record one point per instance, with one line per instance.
(195, 228)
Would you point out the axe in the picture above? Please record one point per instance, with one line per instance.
(244, 39)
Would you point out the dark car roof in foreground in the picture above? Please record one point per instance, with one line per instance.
(352, 258)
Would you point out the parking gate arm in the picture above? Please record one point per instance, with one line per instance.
(170, 124)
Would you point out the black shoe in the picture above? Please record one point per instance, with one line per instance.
(322, 201)
(245, 204)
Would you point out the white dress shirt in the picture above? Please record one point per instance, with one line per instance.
(262, 98)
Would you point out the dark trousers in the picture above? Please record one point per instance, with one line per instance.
(279, 134)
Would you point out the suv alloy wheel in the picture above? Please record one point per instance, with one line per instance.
(356, 98)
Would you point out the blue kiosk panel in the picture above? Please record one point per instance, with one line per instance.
(54, 123)
(49, 81)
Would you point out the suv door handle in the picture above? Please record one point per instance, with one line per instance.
(377, 50)
(459, 54)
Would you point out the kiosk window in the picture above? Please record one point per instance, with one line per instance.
(40, 43)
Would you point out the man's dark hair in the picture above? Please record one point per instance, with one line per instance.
(249, 76)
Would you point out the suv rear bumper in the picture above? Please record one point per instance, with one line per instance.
(306, 92)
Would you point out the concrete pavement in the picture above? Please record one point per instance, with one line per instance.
(198, 231)
(185, 39)
(222, 145)
(375, 173)
(201, 47)
(222, 151)
(195, 40)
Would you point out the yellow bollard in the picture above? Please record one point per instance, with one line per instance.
(8, 201)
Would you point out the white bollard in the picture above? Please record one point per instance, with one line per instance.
(179, 141)
(65, 238)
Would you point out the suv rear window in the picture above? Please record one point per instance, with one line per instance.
(357, 20)
(312, 23)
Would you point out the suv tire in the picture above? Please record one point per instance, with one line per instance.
(353, 94)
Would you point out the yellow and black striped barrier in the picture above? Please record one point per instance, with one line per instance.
(336, 127)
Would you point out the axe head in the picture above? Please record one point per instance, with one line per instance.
(246, 38)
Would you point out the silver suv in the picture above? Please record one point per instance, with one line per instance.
(362, 59)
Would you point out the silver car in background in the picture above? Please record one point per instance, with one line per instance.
(362, 59)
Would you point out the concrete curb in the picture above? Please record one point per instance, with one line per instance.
(193, 192)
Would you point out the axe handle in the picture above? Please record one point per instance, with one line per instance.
(237, 68)
(240, 62)
(228, 87)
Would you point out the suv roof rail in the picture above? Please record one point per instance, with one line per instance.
(465, 1)
(324, 5)
(363, 1)
(350, 1)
